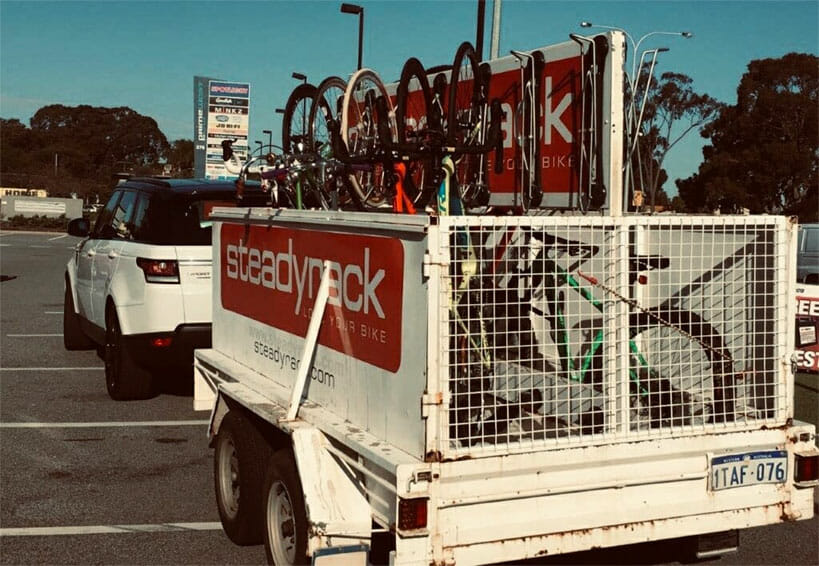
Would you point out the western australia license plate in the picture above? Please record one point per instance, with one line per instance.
(748, 468)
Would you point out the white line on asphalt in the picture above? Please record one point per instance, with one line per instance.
(58, 237)
(50, 369)
(53, 312)
(31, 335)
(107, 529)
(111, 424)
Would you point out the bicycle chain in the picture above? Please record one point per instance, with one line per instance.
(634, 304)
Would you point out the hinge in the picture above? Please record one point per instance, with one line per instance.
(428, 261)
(428, 399)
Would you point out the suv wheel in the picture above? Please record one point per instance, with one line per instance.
(124, 379)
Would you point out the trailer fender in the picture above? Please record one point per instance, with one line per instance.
(338, 514)
(220, 409)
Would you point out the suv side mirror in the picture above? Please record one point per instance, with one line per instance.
(79, 227)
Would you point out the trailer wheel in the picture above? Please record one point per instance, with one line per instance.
(285, 515)
(238, 465)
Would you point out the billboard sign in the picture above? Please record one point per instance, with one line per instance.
(221, 110)
(228, 118)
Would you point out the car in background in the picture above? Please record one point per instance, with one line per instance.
(138, 286)
(807, 259)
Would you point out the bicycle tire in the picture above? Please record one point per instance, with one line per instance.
(467, 123)
(359, 132)
(684, 371)
(323, 124)
(298, 106)
(413, 118)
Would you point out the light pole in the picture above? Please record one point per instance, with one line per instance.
(632, 130)
(636, 46)
(356, 9)
(261, 145)
(299, 77)
(269, 138)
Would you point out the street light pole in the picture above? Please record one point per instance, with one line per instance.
(269, 138)
(632, 127)
(356, 9)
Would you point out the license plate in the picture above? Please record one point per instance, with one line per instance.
(749, 468)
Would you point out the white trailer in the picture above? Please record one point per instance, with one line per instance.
(487, 389)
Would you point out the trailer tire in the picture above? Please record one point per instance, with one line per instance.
(285, 540)
(240, 456)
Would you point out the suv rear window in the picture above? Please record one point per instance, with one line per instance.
(177, 221)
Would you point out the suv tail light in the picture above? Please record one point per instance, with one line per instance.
(159, 270)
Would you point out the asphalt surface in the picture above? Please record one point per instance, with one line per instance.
(86, 480)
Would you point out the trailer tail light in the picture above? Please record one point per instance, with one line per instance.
(159, 270)
(412, 514)
(161, 341)
(806, 469)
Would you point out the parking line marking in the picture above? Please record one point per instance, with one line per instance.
(31, 335)
(58, 237)
(52, 369)
(53, 312)
(112, 424)
(108, 529)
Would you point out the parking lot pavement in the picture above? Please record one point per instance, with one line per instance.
(85, 480)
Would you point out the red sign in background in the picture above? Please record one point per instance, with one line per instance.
(807, 331)
(272, 275)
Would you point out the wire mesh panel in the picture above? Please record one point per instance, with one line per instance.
(566, 330)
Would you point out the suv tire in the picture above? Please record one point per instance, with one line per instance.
(73, 336)
(124, 379)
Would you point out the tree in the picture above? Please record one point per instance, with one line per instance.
(77, 149)
(100, 139)
(672, 110)
(180, 158)
(763, 153)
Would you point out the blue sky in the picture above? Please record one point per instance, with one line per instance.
(144, 55)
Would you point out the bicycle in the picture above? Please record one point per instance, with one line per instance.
(513, 291)
(293, 180)
(466, 123)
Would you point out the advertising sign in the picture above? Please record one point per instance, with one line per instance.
(272, 275)
(200, 125)
(807, 327)
(228, 118)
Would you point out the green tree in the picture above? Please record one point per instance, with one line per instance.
(78, 149)
(96, 141)
(672, 110)
(180, 158)
(763, 152)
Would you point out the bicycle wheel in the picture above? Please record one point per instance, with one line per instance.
(680, 371)
(323, 124)
(414, 122)
(467, 120)
(360, 132)
(295, 119)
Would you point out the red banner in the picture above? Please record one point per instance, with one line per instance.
(272, 275)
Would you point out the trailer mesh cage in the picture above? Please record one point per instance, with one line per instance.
(559, 331)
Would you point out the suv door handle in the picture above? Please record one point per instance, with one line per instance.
(112, 254)
(91, 253)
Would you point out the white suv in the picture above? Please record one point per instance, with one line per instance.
(138, 287)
